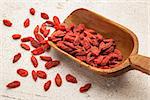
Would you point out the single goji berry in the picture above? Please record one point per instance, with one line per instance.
(99, 59)
(50, 23)
(13, 84)
(36, 29)
(34, 61)
(16, 36)
(27, 22)
(34, 75)
(46, 33)
(35, 43)
(22, 72)
(38, 51)
(47, 85)
(43, 28)
(71, 78)
(46, 58)
(44, 15)
(16, 57)
(85, 88)
(56, 20)
(32, 11)
(51, 64)
(58, 80)
(39, 37)
(7, 22)
(44, 42)
(46, 47)
(27, 39)
(41, 74)
(25, 46)
(105, 60)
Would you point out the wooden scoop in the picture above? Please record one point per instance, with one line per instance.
(125, 39)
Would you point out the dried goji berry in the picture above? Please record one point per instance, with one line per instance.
(82, 58)
(71, 78)
(46, 47)
(22, 72)
(44, 15)
(46, 33)
(25, 46)
(16, 36)
(38, 51)
(58, 80)
(71, 45)
(44, 42)
(56, 20)
(47, 85)
(85, 88)
(46, 58)
(109, 50)
(32, 11)
(36, 29)
(35, 43)
(16, 57)
(51, 64)
(39, 37)
(26, 39)
(27, 22)
(41, 74)
(61, 45)
(34, 75)
(7, 22)
(95, 51)
(34, 61)
(50, 23)
(105, 60)
(43, 28)
(13, 84)
(99, 59)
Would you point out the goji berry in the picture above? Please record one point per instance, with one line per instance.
(36, 29)
(56, 20)
(41, 74)
(47, 85)
(85, 88)
(13, 84)
(58, 80)
(39, 37)
(38, 51)
(34, 61)
(26, 39)
(46, 58)
(25, 46)
(7, 22)
(50, 23)
(16, 57)
(44, 15)
(16, 36)
(32, 11)
(22, 72)
(35, 43)
(71, 78)
(27, 22)
(51, 64)
(34, 75)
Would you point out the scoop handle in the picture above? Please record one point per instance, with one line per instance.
(141, 63)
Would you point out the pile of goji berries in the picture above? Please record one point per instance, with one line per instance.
(40, 44)
(88, 46)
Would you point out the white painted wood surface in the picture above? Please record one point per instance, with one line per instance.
(132, 85)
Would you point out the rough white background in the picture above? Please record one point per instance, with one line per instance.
(132, 85)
